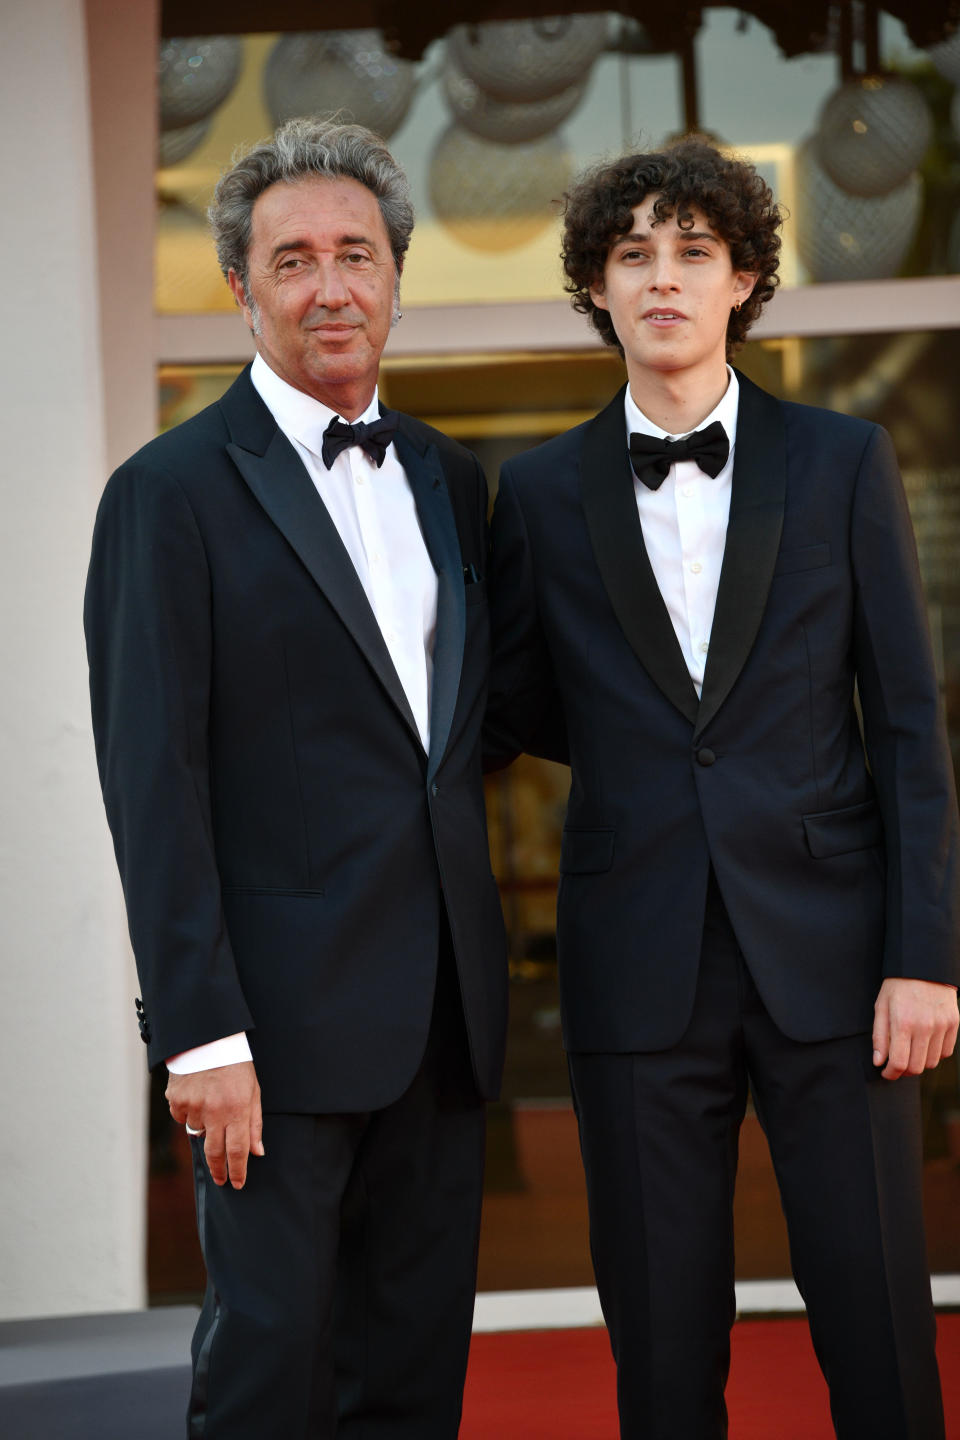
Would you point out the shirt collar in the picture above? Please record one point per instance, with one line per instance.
(725, 412)
(298, 415)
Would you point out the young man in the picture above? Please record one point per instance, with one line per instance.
(288, 664)
(694, 582)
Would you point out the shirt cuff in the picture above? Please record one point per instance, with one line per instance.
(231, 1050)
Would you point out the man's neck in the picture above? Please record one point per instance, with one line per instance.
(677, 401)
(348, 402)
(347, 398)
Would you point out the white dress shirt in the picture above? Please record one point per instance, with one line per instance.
(684, 526)
(376, 517)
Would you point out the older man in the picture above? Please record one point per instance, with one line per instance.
(288, 642)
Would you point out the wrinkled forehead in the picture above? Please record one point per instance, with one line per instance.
(317, 205)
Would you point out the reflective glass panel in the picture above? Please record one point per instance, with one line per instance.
(493, 123)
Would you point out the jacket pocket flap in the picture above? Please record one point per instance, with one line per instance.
(586, 851)
(809, 557)
(837, 832)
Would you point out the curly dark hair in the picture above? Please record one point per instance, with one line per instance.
(690, 175)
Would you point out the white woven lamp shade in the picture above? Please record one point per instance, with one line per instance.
(852, 237)
(946, 57)
(873, 132)
(528, 60)
(175, 145)
(508, 122)
(321, 72)
(495, 197)
(195, 74)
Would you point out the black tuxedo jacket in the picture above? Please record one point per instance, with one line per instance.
(836, 870)
(285, 845)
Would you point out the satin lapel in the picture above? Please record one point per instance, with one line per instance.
(280, 482)
(610, 507)
(428, 483)
(753, 540)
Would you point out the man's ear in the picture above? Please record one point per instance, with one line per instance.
(743, 286)
(597, 295)
(236, 285)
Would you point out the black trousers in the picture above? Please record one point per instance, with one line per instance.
(659, 1136)
(341, 1278)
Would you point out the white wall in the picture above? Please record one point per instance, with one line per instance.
(71, 1064)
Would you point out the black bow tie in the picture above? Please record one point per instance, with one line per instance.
(373, 438)
(651, 458)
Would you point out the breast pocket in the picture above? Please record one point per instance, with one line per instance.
(808, 557)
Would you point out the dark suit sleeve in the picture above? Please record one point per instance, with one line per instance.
(524, 709)
(147, 621)
(903, 727)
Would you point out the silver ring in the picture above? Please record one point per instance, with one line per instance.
(190, 1130)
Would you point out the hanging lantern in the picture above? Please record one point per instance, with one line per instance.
(528, 60)
(175, 145)
(849, 237)
(323, 72)
(946, 57)
(872, 133)
(496, 197)
(194, 76)
(505, 121)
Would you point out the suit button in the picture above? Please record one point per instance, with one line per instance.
(705, 756)
(434, 789)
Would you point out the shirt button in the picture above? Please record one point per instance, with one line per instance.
(703, 648)
(358, 479)
(376, 557)
(687, 490)
(696, 567)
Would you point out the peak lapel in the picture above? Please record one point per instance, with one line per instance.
(428, 483)
(278, 479)
(753, 539)
(610, 507)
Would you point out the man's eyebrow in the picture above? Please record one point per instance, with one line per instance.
(284, 245)
(636, 238)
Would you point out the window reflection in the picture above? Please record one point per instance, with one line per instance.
(495, 119)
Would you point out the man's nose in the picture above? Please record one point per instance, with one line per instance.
(332, 289)
(663, 274)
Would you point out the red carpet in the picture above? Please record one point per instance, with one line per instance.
(559, 1384)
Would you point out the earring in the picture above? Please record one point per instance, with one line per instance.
(737, 306)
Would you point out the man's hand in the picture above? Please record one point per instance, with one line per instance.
(225, 1104)
(914, 1026)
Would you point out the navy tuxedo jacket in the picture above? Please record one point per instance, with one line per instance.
(837, 867)
(285, 845)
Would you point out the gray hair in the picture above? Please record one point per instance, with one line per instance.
(301, 148)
